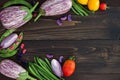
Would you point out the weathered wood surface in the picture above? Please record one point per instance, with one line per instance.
(94, 40)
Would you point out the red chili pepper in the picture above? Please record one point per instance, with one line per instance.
(68, 67)
(20, 37)
(103, 6)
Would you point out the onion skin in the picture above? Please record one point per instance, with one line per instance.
(9, 40)
(56, 7)
(12, 17)
(56, 67)
(11, 69)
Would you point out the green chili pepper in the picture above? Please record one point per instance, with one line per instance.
(14, 2)
(7, 33)
(5, 55)
(16, 44)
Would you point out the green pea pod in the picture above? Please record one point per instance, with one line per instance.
(16, 44)
(7, 33)
(14, 2)
(6, 55)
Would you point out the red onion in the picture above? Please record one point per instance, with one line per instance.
(56, 67)
(49, 56)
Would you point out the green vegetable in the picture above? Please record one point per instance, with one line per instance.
(24, 76)
(41, 69)
(7, 33)
(14, 2)
(79, 9)
(15, 45)
(9, 54)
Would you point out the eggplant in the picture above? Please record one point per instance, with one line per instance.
(16, 16)
(12, 70)
(8, 41)
(54, 7)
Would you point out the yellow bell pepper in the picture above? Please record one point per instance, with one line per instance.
(93, 5)
(83, 2)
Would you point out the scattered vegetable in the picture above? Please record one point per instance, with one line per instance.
(93, 5)
(14, 2)
(54, 7)
(59, 22)
(13, 70)
(16, 16)
(9, 40)
(69, 67)
(83, 2)
(79, 9)
(56, 67)
(61, 59)
(41, 69)
(49, 56)
(9, 43)
(103, 6)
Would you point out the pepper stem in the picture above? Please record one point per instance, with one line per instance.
(34, 7)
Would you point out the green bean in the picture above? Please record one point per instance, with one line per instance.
(74, 11)
(13, 2)
(43, 63)
(7, 33)
(35, 72)
(42, 72)
(48, 63)
(5, 55)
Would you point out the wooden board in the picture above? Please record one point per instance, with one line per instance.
(94, 40)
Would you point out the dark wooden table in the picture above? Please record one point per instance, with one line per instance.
(94, 40)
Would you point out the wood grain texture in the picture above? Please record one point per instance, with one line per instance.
(94, 40)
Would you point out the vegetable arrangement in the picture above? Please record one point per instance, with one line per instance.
(42, 69)
(13, 70)
(16, 16)
(9, 42)
(13, 17)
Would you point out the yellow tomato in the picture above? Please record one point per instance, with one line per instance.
(93, 5)
(83, 2)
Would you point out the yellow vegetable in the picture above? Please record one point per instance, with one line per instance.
(83, 2)
(93, 5)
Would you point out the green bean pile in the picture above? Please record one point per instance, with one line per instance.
(41, 69)
(79, 9)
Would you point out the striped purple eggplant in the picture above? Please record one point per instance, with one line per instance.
(54, 7)
(9, 40)
(13, 70)
(16, 16)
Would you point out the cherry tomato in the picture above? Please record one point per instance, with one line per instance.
(103, 6)
(68, 67)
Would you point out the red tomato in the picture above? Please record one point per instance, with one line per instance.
(103, 6)
(68, 68)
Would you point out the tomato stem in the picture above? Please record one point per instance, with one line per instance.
(72, 58)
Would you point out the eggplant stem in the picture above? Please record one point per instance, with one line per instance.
(39, 15)
(34, 7)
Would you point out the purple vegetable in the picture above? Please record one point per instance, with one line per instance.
(16, 16)
(49, 56)
(59, 22)
(63, 18)
(13, 70)
(54, 7)
(56, 67)
(61, 59)
(8, 41)
(69, 17)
